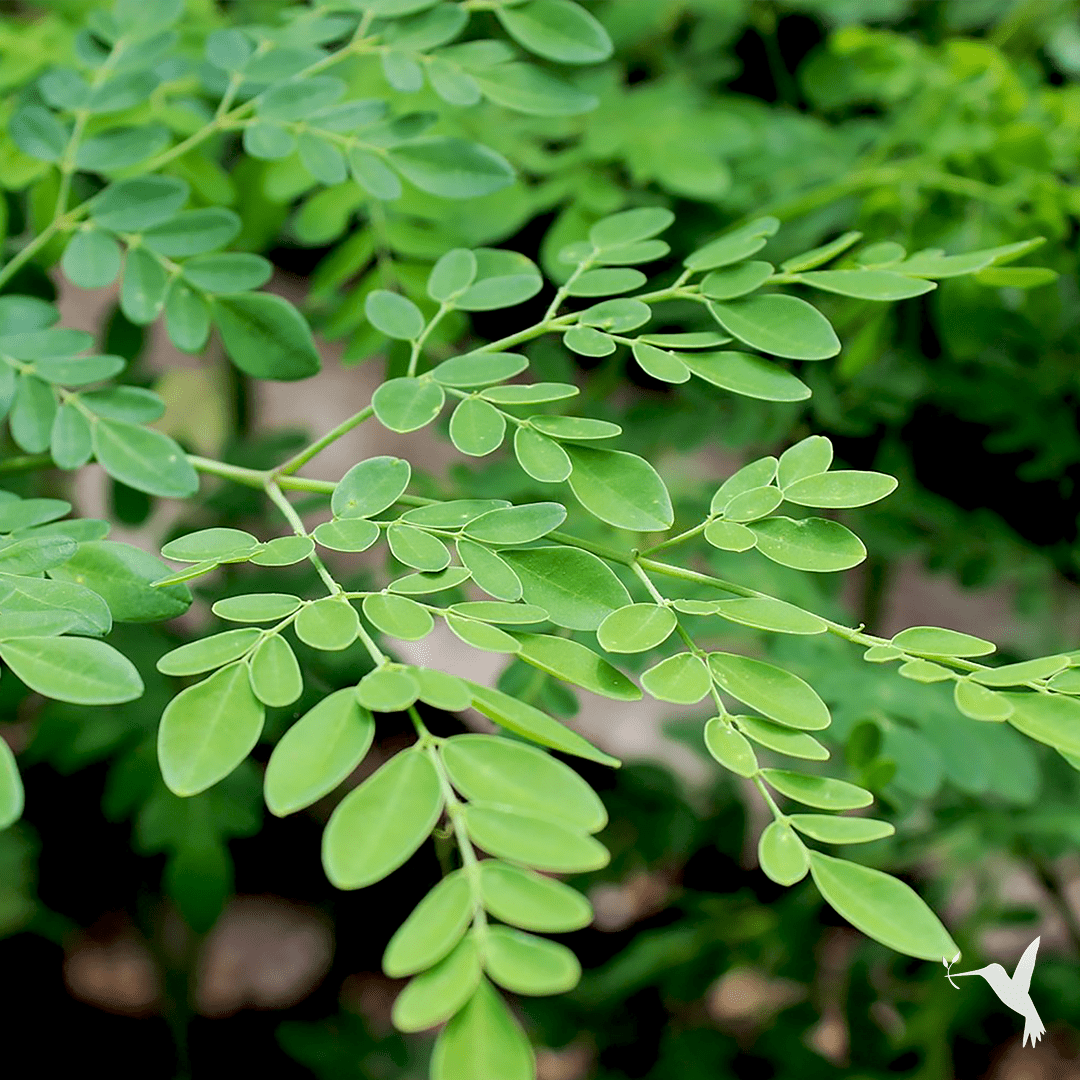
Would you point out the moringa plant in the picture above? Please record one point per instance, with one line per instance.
(124, 152)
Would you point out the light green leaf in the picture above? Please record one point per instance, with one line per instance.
(451, 515)
(417, 548)
(542, 458)
(218, 545)
(516, 524)
(747, 375)
(208, 729)
(842, 488)
(576, 663)
(1023, 672)
(1046, 718)
(91, 259)
(498, 612)
(578, 428)
(318, 752)
(756, 474)
(736, 281)
(621, 489)
(479, 369)
(523, 719)
(142, 292)
(882, 907)
(925, 672)
(616, 316)
(208, 653)
(139, 203)
(284, 551)
(12, 797)
(577, 590)
(820, 255)
(88, 613)
(829, 829)
(256, 607)
(636, 628)
(936, 641)
(374, 175)
(782, 855)
(451, 168)
(490, 572)
(32, 414)
(629, 226)
(38, 133)
(370, 487)
(821, 791)
(587, 341)
(535, 841)
(387, 689)
(380, 824)
(228, 272)
(881, 285)
(275, 673)
(503, 279)
(753, 504)
(483, 1039)
(265, 336)
(394, 315)
(451, 275)
(768, 614)
(398, 616)
(526, 964)
(422, 584)
(606, 282)
(477, 428)
(330, 624)
(738, 244)
(440, 690)
(532, 901)
(816, 544)
(79, 370)
(20, 624)
(729, 747)
(808, 457)
(778, 694)
(144, 459)
(81, 671)
(659, 363)
(693, 339)
(408, 404)
(193, 232)
(527, 89)
(557, 30)
(504, 772)
(980, 703)
(778, 324)
(529, 393)
(36, 553)
(782, 739)
(70, 442)
(729, 536)
(480, 635)
(435, 926)
(682, 678)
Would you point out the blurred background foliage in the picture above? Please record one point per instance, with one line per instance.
(925, 123)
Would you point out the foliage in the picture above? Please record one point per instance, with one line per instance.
(126, 158)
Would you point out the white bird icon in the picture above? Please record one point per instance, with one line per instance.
(1013, 992)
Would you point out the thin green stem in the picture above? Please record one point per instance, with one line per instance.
(689, 534)
(279, 500)
(418, 344)
(300, 459)
(777, 813)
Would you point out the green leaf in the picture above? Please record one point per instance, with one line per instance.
(36, 553)
(228, 272)
(829, 829)
(451, 168)
(218, 545)
(498, 612)
(11, 789)
(753, 504)
(490, 572)
(629, 226)
(516, 524)
(586, 341)
(636, 628)
(936, 641)
(820, 791)
(380, 824)
(451, 275)
(330, 624)
(782, 855)
(660, 364)
(435, 926)
(144, 459)
(408, 404)
(527, 89)
(503, 279)
(782, 325)
(621, 489)
(441, 690)
(479, 369)
(33, 413)
(532, 901)
(616, 316)
(504, 772)
(809, 457)
(18, 514)
(450, 515)
(864, 284)
(267, 141)
(275, 673)
(283, 551)
(20, 624)
(437, 994)
(525, 720)
(387, 689)
(576, 663)
(398, 616)
(142, 293)
(1016, 277)
(121, 575)
(925, 672)
(606, 282)
(318, 752)
(1023, 672)
(778, 694)
(91, 259)
(132, 404)
(256, 607)
(1046, 718)
(736, 281)
(782, 739)
(139, 203)
(394, 315)
(416, 548)
(843, 488)
(729, 536)
(729, 748)
(421, 584)
(88, 612)
(480, 635)
(79, 370)
(980, 703)
(193, 232)
(526, 964)
(477, 428)
(373, 175)
(298, 99)
(207, 730)
(542, 458)
(535, 841)
(815, 544)
(766, 613)
(370, 487)
(748, 375)
(695, 339)
(820, 255)
(483, 1039)
(81, 671)
(577, 590)
(682, 678)
(882, 907)
(38, 133)
(69, 441)
(529, 393)
(265, 336)
(738, 244)
(557, 30)
(209, 653)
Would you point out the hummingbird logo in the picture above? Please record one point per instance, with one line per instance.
(1013, 992)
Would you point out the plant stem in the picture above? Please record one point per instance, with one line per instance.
(305, 455)
(279, 500)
